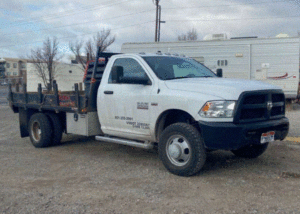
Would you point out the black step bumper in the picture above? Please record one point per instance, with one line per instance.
(230, 136)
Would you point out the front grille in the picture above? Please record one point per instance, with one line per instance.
(255, 99)
(248, 114)
(277, 97)
(256, 106)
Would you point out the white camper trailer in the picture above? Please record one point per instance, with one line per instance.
(272, 60)
(66, 76)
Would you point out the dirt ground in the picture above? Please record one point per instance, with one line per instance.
(87, 176)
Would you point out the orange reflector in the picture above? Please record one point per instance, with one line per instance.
(93, 80)
(206, 107)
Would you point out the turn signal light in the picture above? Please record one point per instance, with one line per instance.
(206, 107)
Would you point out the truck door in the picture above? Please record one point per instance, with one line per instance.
(128, 109)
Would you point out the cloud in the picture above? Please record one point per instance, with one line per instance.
(133, 20)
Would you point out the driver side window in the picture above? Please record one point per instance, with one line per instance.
(131, 69)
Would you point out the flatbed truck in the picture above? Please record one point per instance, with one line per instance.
(171, 101)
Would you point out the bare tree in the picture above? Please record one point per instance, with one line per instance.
(103, 39)
(191, 35)
(45, 60)
(76, 48)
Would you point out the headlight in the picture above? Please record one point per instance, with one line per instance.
(217, 109)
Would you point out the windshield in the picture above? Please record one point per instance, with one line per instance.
(167, 68)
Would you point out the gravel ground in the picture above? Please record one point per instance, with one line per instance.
(294, 118)
(87, 176)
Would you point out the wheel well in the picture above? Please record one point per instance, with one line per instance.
(170, 117)
(25, 115)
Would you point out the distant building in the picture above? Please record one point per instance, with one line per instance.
(77, 60)
(2, 68)
(13, 69)
(19, 71)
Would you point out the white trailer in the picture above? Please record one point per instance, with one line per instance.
(66, 75)
(272, 60)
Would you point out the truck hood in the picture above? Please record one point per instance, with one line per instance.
(225, 88)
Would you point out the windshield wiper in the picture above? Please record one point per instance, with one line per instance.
(174, 78)
(186, 77)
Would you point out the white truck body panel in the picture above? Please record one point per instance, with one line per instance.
(272, 60)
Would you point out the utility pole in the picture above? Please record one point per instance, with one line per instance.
(156, 20)
(159, 22)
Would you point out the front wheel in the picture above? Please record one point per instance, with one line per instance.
(251, 151)
(181, 149)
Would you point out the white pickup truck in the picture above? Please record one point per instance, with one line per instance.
(168, 101)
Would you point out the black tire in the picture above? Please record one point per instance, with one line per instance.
(40, 130)
(251, 151)
(188, 145)
(56, 127)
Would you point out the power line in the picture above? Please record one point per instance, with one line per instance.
(37, 19)
(64, 12)
(67, 37)
(115, 17)
(249, 18)
(230, 5)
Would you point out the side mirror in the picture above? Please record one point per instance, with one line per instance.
(219, 72)
(143, 80)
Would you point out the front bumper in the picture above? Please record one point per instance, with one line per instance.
(230, 136)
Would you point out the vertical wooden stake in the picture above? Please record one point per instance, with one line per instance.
(76, 95)
(25, 93)
(55, 88)
(39, 93)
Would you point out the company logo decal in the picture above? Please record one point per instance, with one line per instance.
(141, 105)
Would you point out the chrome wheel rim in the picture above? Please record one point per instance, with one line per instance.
(36, 131)
(178, 150)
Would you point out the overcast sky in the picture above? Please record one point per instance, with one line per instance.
(24, 24)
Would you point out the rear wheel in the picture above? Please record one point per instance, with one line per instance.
(56, 127)
(181, 149)
(40, 130)
(251, 151)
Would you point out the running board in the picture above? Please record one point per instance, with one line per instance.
(146, 145)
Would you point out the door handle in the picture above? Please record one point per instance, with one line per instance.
(108, 92)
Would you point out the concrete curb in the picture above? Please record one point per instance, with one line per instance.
(293, 140)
